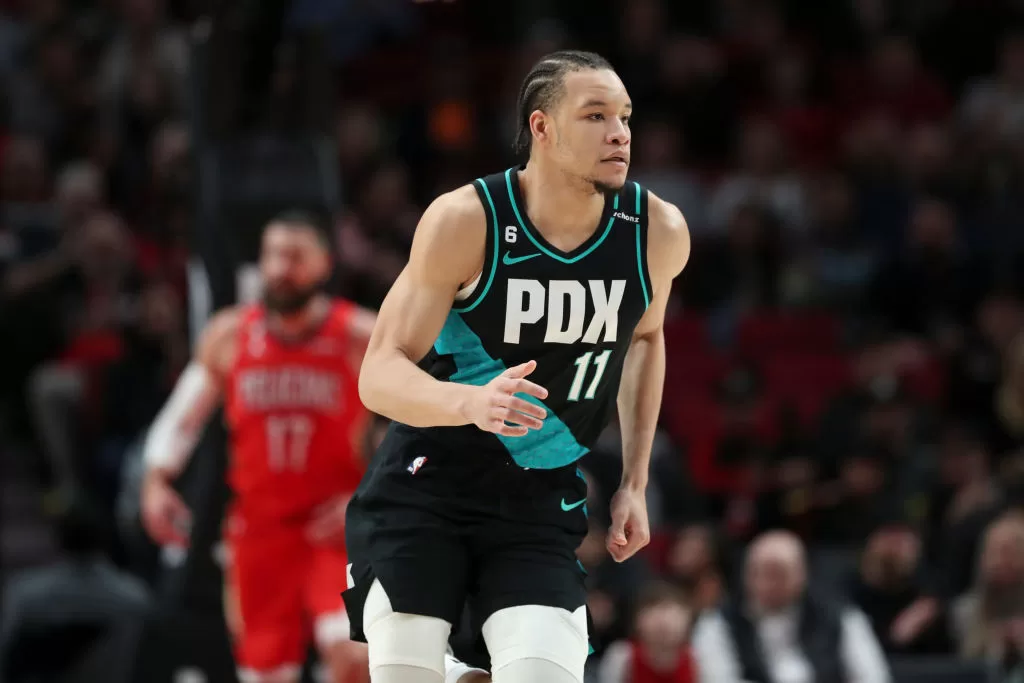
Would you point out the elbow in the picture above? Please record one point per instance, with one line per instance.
(368, 393)
(372, 391)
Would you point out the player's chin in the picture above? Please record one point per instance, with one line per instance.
(611, 175)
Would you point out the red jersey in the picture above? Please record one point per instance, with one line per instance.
(294, 415)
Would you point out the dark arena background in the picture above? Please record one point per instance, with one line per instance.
(845, 347)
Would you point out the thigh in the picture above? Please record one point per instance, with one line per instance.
(527, 556)
(400, 531)
(542, 570)
(266, 576)
(421, 565)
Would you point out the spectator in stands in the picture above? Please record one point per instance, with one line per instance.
(764, 179)
(48, 94)
(965, 484)
(694, 85)
(1010, 402)
(864, 490)
(893, 81)
(698, 566)
(933, 287)
(658, 651)
(993, 107)
(659, 167)
(145, 49)
(374, 241)
(840, 262)
(94, 287)
(976, 368)
(740, 453)
(988, 620)
(778, 631)
(891, 589)
(53, 616)
(136, 385)
(787, 498)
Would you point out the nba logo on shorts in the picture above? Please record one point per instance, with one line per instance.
(416, 464)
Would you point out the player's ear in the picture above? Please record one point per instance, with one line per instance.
(540, 126)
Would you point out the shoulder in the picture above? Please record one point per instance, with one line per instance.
(454, 216)
(216, 346)
(451, 238)
(668, 237)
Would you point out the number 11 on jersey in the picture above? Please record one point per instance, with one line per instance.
(288, 442)
(582, 366)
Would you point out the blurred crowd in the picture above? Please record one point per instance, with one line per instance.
(845, 348)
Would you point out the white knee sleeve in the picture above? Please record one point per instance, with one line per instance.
(403, 640)
(535, 632)
(534, 671)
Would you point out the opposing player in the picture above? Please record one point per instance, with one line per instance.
(533, 298)
(286, 370)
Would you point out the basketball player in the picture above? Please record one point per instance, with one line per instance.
(532, 300)
(287, 372)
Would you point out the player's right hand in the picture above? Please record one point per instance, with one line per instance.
(165, 516)
(496, 405)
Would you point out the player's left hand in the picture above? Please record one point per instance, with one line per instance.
(328, 524)
(630, 530)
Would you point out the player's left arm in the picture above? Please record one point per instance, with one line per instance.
(643, 375)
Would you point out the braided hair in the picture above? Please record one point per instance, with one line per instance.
(543, 84)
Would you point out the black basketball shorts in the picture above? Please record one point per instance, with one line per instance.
(441, 529)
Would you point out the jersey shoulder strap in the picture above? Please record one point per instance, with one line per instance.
(486, 190)
(635, 204)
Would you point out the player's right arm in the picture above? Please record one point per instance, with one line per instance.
(176, 430)
(447, 251)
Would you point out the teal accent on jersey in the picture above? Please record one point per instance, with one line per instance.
(494, 260)
(637, 186)
(549, 447)
(473, 365)
(536, 243)
(640, 268)
(509, 260)
(579, 473)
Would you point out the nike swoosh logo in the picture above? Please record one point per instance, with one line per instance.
(512, 260)
(566, 507)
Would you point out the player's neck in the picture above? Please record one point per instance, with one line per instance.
(301, 324)
(555, 204)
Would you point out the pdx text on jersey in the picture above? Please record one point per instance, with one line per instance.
(565, 304)
(289, 388)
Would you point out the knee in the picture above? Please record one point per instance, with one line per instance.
(397, 639)
(544, 635)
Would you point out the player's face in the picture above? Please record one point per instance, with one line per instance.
(294, 265)
(592, 126)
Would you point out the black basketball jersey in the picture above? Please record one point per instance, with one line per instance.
(572, 312)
